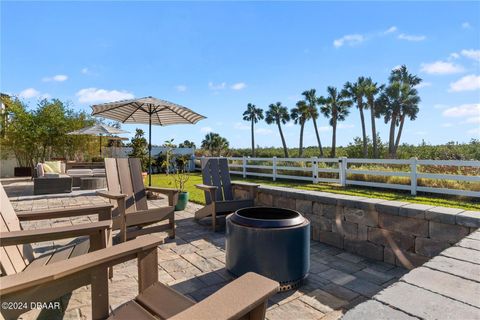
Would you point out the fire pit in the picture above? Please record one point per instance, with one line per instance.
(273, 242)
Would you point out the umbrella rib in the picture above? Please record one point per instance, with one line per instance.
(116, 107)
(131, 114)
(180, 114)
(158, 117)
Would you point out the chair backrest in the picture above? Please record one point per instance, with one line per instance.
(124, 175)
(215, 173)
(13, 259)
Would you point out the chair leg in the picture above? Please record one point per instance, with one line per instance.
(258, 313)
(214, 221)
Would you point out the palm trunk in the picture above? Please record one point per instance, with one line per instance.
(285, 150)
(334, 138)
(318, 136)
(300, 148)
(374, 130)
(399, 134)
(253, 140)
(364, 132)
(391, 138)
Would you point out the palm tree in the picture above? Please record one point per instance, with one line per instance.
(355, 91)
(371, 89)
(278, 114)
(300, 115)
(215, 144)
(399, 100)
(312, 102)
(336, 107)
(253, 114)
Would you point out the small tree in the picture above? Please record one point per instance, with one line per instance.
(187, 144)
(139, 147)
(215, 144)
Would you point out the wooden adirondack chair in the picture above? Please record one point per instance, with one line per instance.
(127, 193)
(218, 190)
(16, 253)
(244, 298)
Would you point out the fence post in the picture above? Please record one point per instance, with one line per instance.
(314, 169)
(342, 166)
(274, 168)
(413, 176)
(244, 167)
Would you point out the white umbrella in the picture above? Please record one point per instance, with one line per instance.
(148, 110)
(98, 129)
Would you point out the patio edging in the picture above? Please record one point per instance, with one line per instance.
(398, 233)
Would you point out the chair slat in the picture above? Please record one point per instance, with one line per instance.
(126, 183)
(206, 178)
(225, 179)
(61, 254)
(216, 178)
(81, 248)
(6, 265)
(139, 192)
(113, 183)
(13, 252)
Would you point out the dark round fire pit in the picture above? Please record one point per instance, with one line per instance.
(273, 242)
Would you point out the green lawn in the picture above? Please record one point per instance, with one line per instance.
(197, 196)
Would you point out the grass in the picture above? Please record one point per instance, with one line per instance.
(197, 196)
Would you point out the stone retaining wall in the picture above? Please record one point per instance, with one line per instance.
(399, 233)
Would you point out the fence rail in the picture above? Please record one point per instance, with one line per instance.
(343, 171)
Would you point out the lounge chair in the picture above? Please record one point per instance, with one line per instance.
(218, 189)
(244, 298)
(16, 253)
(127, 193)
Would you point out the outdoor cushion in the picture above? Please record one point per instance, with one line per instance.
(63, 167)
(54, 166)
(80, 172)
(51, 175)
(98, 172)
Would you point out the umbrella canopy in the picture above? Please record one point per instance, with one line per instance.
(148, 110)
(98, 129)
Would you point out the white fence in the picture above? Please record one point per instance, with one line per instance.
(343, 170)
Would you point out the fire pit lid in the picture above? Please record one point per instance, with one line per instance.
(267, 217)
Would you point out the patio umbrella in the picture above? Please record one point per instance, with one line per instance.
(148, 110)
(98, 129)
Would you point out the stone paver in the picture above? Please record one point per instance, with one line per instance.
(194, 264)
(375, 310)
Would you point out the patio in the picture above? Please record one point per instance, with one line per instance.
(194, 264)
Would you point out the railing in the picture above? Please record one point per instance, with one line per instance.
(364, 172)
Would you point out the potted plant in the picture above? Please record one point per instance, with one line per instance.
(180, 178)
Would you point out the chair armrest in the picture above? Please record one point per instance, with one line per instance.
(204, 187)
(39, 235)
(234, 300)
(171, 193)
(111, 195)
(86, 263)
(245, 184)
(104, 212)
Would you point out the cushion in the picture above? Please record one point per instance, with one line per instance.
(55, 166)
(47, 168)
(98, 172)
(80, 172)
(40, 170)
(51, 175)
(63, 167)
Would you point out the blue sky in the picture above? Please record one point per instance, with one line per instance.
(215, 57)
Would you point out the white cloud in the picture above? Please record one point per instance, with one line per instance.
(473, 120)
(345, 126)
(447, 125)
(475, 131)
(219, 86)
(349, 39)
(57, 78)
(390, 30)
(468, 111)
(441, 67)
(85, 71)
(241, 126)
(410, 37)
(471, 54)
(263, 131)
(466, 25)
(398, 66)
(29, 93)
(421, 133)
(440, 106)
(423, 84)
(206, 129)
(181, 88)
(238, 86)
(324, 128)
(454, 56)
(467, 83)
(90, 95)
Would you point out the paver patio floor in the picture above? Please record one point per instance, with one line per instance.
(194, 264)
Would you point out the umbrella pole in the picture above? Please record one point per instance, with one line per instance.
(150, 149)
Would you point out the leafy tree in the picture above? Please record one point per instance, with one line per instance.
(312, 102)
(139, 147)
(335, 107)
(300, 115)
(371, 90)
(356, 92)
(253, 114)
(187, 144)
(399, 101)
(279, 115)
(215, 144)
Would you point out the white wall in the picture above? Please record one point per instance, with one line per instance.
(7, 165)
